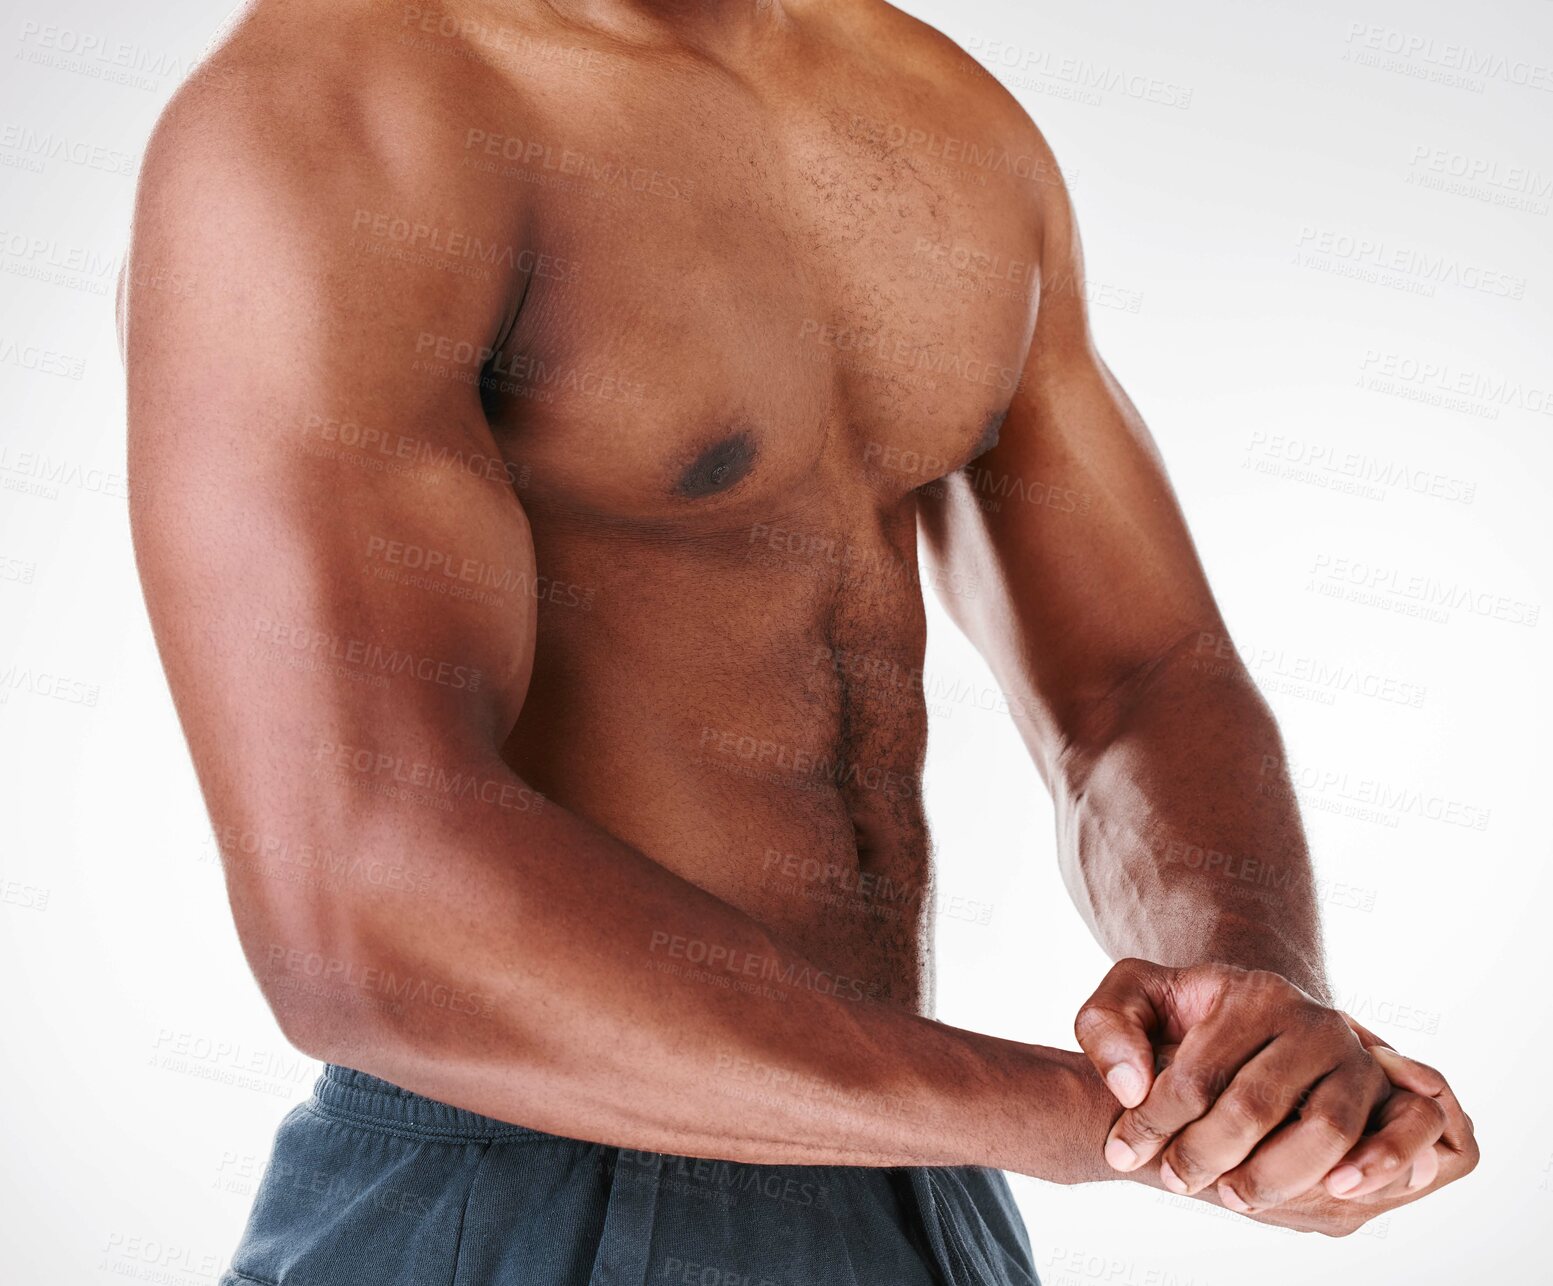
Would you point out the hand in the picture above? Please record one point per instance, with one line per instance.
(1391, 1183)
(1253, 1052)
(1380, 1161)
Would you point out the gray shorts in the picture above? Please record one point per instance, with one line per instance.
(370, 1185)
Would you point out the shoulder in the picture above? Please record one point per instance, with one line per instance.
(920, 52)
(303, 97)
(977, 121)
(289, 160)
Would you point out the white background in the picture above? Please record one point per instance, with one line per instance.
(1298, 394)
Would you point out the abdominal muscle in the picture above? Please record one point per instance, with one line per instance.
(748, 712)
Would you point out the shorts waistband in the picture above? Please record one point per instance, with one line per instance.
(355, 1096)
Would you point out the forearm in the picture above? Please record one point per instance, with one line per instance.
(1178, 829)
(595, 994)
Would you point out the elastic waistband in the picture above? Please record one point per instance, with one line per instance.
(355, 1096)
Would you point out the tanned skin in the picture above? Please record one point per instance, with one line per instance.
(606, 361)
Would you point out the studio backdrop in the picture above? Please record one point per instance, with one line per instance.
(1320, 248)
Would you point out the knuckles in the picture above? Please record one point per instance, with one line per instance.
(1335, 1132)
(1140, 1129)
(1194, 1087)
(1386, 1158)
(1184, 1160)
(1252, 1113)
(1436, 1118)
(1257, 1192)
(1318, 1023)
(1093, 1020)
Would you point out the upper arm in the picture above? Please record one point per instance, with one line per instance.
(334, 560)
(1093, 575)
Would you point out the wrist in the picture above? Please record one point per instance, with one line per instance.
(1259, 947)
(1030, 1109)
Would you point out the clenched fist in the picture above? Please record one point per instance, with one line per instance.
(1273, 1097)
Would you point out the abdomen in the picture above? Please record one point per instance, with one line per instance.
(747, 710)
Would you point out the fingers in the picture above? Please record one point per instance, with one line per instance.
(1260, 1098)
(1296, 1158)
(1409, 1073)
(1115, 1026)
(1449, 1154)
(1426, 1169)
(1457, 1137)
(1206, 1061)
(1400, 1148)
(1367, 1038)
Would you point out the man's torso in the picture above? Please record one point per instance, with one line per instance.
(752, 313)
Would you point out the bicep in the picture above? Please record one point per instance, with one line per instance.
(1069, 526)
(338, 572)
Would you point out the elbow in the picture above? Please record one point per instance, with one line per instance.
(320, 976)
(308, 1028)
(310, 992)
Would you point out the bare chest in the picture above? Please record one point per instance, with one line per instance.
(720, 316)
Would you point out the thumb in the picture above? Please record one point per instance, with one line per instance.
(1408, 1073)
(1367, 1038)
(1115, 1027)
